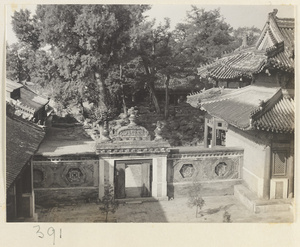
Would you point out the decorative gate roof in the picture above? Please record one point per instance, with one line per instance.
(132, 139)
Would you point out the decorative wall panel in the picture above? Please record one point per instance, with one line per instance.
(217, 172)
(206, 169)
(64, 174)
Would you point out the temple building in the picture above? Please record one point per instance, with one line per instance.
(258, 115)
(248, 140)
(22, 140)
(28, 104)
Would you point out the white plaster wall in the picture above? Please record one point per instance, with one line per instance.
(255, 164)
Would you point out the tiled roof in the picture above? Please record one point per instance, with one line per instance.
(22, 140)
(279, 30)
(234, 66)
(31, 99)
(195, 99)
(238, 106)
(280, 118)
(275, 46)
(250, 107)
(11, 85)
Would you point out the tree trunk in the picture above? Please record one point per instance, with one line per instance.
(123, 95)
(154, 97)
(167, 97)
(151, 86)
(103, 102)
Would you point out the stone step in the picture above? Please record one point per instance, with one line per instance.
(134, 202)
(137, 200)
(245, 196)
(273, 205)
(253, 203)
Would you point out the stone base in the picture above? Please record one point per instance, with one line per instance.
(54, 197)
(257, 205)
(211, 188)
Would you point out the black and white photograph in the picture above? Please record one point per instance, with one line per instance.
(150, 113)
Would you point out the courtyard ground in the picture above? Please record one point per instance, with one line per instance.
(163, 211)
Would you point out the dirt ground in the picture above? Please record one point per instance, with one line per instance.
(164, 211)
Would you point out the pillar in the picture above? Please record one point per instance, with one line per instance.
(205, 133)
(164, 176)
(159, 178)
(213, 133)
(154, 177)
(101, 178)
(267, 173)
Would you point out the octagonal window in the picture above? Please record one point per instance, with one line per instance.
(187, 170)
(221, 169)
(74, 175)
(38, 177)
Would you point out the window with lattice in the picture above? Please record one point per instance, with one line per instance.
(279, 163)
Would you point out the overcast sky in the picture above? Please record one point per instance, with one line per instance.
(235, 15)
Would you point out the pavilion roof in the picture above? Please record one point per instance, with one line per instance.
(250, 107)
(275, 47)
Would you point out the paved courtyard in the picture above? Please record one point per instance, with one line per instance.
(163, 211)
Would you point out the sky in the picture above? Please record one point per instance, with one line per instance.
(235, 15)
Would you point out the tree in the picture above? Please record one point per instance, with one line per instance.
(152, 46)
(109, 204)
(252, 34)
(195, 199)
(226, 217)
(86, 41)
(204, 36)
(27, 28)
(18, 58)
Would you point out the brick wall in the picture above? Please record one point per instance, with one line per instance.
(62, 182)
(217, 170)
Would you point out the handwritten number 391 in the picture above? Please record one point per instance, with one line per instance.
(50, 232)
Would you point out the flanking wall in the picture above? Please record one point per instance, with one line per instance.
(64, 181)
(216, 169)
(257, 159)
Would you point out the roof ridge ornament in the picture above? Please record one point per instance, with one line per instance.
(273, 13)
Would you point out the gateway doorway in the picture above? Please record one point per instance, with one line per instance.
(133, 178)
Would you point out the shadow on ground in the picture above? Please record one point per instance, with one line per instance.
(164, 211)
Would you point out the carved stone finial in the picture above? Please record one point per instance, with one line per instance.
(104, 133)
(132, 115)
(158, 131)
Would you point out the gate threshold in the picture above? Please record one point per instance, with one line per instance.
(138, 200)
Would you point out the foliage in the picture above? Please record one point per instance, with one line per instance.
(106, 54)
(27, 28)
(86, 42)
(204, 36)
(195, 199)
(17, 56)
(226, 217)
(108, 202)
(252, 34)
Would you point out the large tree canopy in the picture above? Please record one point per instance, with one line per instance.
(204, 36)
(102, 54)
(86, 41)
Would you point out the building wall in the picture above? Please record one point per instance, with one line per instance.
(256, 165)
(65, 181)
(19, 196)
(217, 170)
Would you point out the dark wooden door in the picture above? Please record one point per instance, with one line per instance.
(120, 180)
